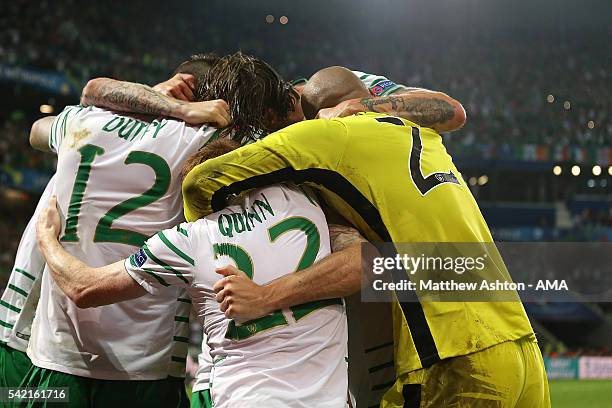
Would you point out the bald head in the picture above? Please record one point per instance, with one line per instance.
(330, 86)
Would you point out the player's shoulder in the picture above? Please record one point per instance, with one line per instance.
(378, 118)
(271, 201)
(86, 110)
(305, 135)
(187, 236)
(188, 230)
(314, 126)
(371, 124)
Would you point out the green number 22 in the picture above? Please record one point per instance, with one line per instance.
(104, 231)
(244, 263)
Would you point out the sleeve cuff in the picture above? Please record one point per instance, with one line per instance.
(140, 280)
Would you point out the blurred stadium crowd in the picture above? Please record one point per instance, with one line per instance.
(532, 93)
(527, 93)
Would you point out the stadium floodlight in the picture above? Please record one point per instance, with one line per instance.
(550, 98)
(575, 170)
(596, 170)
(591, 124)
(557, 170)
(283, 20)
(591, 183)
(610, 170)
(269, 19)
(473, 181)
(567, 105)
(482, 180)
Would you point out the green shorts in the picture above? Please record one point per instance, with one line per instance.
(201, 399)
(14, 365)
(94, 393)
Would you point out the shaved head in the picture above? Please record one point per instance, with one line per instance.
(330, 86)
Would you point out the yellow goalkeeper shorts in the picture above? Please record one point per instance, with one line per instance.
(509, 374)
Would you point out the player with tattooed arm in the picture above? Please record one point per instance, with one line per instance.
(395, 182)
(427, 108)
(126, 174)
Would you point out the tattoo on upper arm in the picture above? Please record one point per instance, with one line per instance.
(426, 111)
(132, 97)
(343, 236)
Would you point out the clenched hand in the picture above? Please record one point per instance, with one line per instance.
(240, 297)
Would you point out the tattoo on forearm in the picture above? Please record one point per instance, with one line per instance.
(342, 236)
(131, 97)
(425, 111)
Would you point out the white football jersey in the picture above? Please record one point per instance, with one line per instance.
(20, 297)
(205, 363)
(118, 182)
(290, 358)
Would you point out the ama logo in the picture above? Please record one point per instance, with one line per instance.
(139, 258)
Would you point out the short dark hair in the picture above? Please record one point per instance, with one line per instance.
(259, 99)
(210, 151)
(197, 65)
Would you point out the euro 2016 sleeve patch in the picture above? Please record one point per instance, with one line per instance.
(379, 88)
(138, 259)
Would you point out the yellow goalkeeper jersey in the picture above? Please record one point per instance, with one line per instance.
(396, 183)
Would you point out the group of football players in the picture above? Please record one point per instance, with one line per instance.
(283, 186)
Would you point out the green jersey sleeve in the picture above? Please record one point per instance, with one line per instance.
(379, 85)
(60, 126)
(164, 260)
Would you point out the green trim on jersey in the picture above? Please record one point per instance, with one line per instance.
(155, 275)
(177, 359)
(5, 324)
(181, 339)
(184, 319)
(9, 306)
(247, 329)
(181, 230)
(391, 90)
(18, 290)
(184, 300)
(24, 273)
(174, 249)
(54, 136)
(163, 264)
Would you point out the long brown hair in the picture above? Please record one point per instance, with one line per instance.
(259, 99)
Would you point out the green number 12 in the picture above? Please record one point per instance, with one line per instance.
(104, 232)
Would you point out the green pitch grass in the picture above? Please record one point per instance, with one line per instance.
(581, 393)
